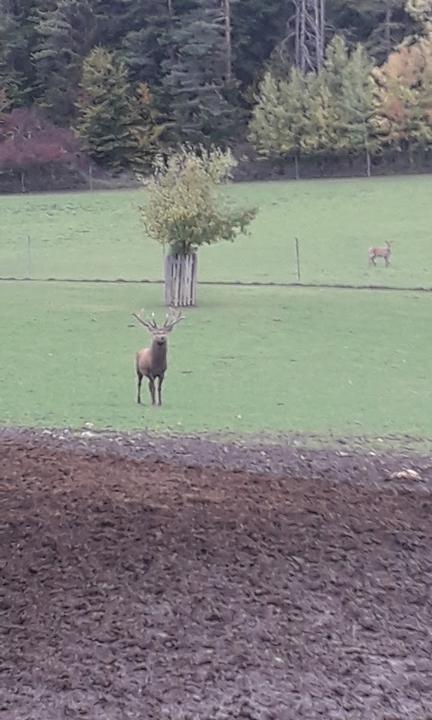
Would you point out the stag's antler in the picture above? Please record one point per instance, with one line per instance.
(172, 319)
(149, 324)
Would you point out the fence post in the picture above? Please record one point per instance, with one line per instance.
(297, 246)
(29, 257)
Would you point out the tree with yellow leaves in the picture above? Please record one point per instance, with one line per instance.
(184, 211)
(404, 95)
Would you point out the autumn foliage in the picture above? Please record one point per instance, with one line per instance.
(29, 141)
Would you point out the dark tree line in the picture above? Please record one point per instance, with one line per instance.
(132, 75)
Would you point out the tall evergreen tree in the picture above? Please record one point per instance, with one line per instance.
(378, 24)
(146, 44)
(117, 125)
(196, 79)
(257, 29)
(66, 36)
(17, 41)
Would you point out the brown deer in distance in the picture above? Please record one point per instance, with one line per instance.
(384, 252)
(151, 362)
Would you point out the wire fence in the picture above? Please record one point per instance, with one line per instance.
(27, 260)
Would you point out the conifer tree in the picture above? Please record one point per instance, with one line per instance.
(349, 82)
(66, 36)
(120, 124)
(196, 79)
(17, 41)
(360, 107)
(279, 118)
(321, 136)
(107, 115)
(145, 45)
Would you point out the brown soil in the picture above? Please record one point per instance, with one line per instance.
(141, 580)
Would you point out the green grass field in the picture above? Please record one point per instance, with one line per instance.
(247, 360)
(99, 235)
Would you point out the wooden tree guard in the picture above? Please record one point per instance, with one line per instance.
(180, 280)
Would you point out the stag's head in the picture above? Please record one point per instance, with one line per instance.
(160, 332)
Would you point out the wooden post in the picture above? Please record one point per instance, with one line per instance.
(298, 258)
(180, 280)
(29, 257)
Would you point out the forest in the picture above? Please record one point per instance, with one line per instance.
(114, 82)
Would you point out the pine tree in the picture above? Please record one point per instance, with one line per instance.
(65, 37)
(145, 45)
(321, 136)
(107, 112)
(389, 26)
(335, 63)
(121, 125)
(257, 27)
(358, 99)
(380, 25)
(279, 118)
(17, 41)
(196, 80)
(349, 82)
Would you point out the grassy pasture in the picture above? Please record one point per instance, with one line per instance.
(99, 234)
(247, 360)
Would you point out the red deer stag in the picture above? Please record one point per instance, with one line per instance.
(151, 362)
(384, 252)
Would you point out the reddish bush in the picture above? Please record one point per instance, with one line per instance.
(29, 141)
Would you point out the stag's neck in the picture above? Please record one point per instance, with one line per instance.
(159, 357)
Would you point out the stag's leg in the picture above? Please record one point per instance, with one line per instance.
(152, 390)
(160, 381)
(140, 377)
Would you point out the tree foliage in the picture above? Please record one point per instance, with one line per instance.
(184, 209)
(325, 113)
(197, 79)
(281, 116)
(404, 87)
(117, 123)
(65, 37)
(197, 70)
(28, 141)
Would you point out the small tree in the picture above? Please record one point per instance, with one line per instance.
(184, 211)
